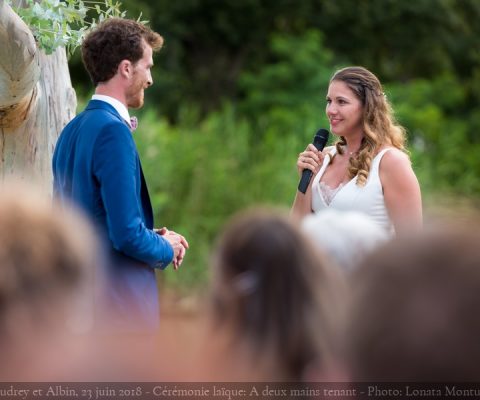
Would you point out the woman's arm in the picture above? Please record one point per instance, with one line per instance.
(302, 204)
(401, 191)
(310, 159)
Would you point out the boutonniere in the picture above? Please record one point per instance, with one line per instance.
(133, 123)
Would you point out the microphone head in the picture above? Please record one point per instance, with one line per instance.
(321, 138)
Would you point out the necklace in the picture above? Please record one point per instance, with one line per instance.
(352, 153)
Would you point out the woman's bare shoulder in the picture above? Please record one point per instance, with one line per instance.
(395, 162)
(394, 155)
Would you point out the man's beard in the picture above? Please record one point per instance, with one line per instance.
(135, 101)
(135, 95)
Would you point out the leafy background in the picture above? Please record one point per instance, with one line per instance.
(240, 90)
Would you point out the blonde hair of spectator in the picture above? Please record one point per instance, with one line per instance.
(345, 236)
(47, 260)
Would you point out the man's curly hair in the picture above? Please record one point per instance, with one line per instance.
(112, 41)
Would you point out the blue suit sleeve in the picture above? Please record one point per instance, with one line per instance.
(116, 167)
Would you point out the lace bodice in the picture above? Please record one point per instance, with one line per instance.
(327, 192)
(351, 197)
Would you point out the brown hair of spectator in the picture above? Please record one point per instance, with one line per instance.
(276, 293)
(414, 310)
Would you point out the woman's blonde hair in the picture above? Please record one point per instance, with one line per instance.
(379, 125)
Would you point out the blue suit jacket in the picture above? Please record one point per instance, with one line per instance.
(96, 166)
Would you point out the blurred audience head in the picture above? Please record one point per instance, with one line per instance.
(345, 236)
(414, 309)
(276, 294)
(47, 258)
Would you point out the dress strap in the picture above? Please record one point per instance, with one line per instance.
(330, 152)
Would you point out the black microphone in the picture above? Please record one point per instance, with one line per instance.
(319, 141)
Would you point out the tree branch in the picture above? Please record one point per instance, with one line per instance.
(19, 61)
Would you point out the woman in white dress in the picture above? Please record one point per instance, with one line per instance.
(368, 169)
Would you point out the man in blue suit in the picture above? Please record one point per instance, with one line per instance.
(97, 167)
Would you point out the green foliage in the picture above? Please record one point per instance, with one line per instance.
(296, 79)
(200, 172)
(239, 92)
(56, 23)
(203, 169)
(444, 152)
(210, 44)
